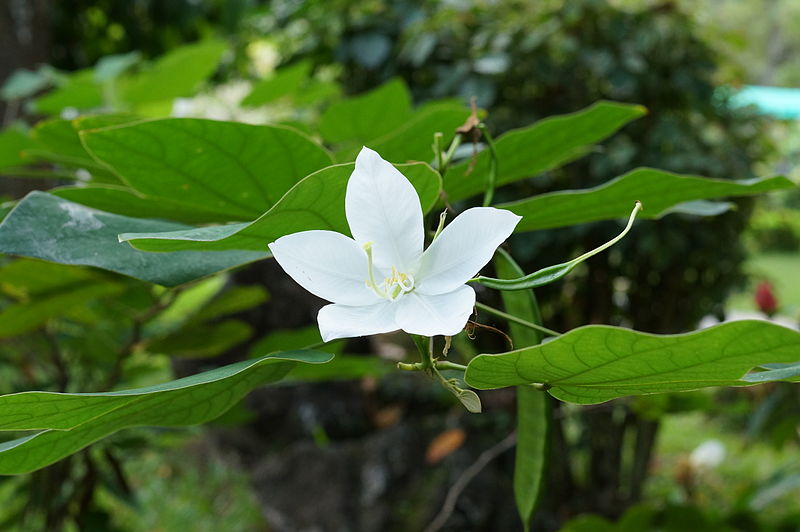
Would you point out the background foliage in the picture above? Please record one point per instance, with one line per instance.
(522, 62)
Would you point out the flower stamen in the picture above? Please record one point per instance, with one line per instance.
(392, 287)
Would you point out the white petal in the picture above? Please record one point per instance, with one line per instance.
(444, 314)
(463, 248)
(383, 207)
(340, 321)
(327, 264)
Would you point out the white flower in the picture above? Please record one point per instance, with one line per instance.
(708, 454)
(381, 280)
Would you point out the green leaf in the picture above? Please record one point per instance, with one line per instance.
(775, 372)
(23, 317)
(286, 81)
(413, 141)
(111, 67)
(183, 306)
(236, 299)
(343, 367)
(222, 168)
(548, 143)
(125, 201)
(533, 406)
(553, 273)
(58, 142)
(79, 91)
(12, 143)
(175, 74)
(71, 421)
(26, 278)
(597, 363)
(50, 228)
(202, 340)
(659, 191)
(23, 83)
(317, 202)
(367, 116)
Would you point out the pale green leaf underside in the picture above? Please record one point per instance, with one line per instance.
(317, 202)
(69, 422)
(597, 363)
(659, 192)
(542, 146)
(50, 228)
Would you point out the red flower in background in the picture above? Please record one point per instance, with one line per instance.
(765, 298)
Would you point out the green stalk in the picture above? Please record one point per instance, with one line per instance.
(514, 319)
(492, 177)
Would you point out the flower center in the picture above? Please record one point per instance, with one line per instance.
(392, 287)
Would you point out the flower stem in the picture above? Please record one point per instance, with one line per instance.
(438, 364)
(492, 177)
(512, 318)
(444, 364)
(425, 348)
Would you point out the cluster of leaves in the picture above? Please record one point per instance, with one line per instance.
(156, 185)
(190, 198)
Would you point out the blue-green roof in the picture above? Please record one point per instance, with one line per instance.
(780, 102)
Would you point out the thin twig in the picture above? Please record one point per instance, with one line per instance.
(466, 477)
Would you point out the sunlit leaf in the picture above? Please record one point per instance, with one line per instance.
(284, 82)
(317, 202)
(222, 168)
(175, 74)
(367, 116)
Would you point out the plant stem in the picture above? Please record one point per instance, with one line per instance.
(448, 156)
(492, 177)
(512, 318)
(437, 148)
(425, 347)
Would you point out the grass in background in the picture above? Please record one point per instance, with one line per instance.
(780, 269)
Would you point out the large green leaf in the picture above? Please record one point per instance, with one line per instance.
(367, 116)
(175, 74)
(60, 139)
(317, 202)
(223, 168)
(50, 228)
(660, 192)
(70, 421)
(597, 363)
(533, 408)
(546, 144)
(127, 202)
